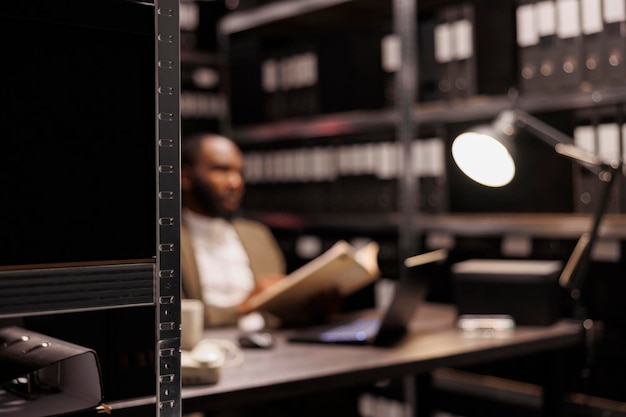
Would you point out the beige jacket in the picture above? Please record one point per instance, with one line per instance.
(263, 252)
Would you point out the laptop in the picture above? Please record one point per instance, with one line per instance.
(383, 329)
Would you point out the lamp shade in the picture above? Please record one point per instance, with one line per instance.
(486, 153)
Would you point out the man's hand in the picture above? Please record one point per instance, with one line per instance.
(262, 284)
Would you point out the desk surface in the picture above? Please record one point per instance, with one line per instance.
(295, 368)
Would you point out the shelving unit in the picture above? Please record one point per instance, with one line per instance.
(547, 210)
(293, 18)
(100, 140)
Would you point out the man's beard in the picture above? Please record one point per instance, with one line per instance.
(210, 201)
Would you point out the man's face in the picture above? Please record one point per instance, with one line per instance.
(215, 183)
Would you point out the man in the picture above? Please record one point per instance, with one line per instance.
(224, 259)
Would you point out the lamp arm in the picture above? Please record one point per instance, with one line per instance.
(575, 270)
(559, 141)
(542, 130)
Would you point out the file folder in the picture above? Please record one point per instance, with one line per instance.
(527, 34)
(568, 45)
(454, 50)
(443, 38)
(463, 65)
(592, 28)
(548, 56)
(614, 14)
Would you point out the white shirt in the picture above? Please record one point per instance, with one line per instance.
(223, 264)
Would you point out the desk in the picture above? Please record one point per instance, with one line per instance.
(294, 368)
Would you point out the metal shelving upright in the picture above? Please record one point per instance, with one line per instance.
(155, 281)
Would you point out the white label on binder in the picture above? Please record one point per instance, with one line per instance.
(624, 147)
(205, 78)
(419, 158)
(369, 158)
(437, 157)
(390, 53)
(310, 76)
(269, 76)
(287, 161)
(443, 43)
(320, 164)
(568, 19)
(614, 11)
(463, 39)
(189, 16)
(346, 166)
(585, 138)
(439, 240)
(591, 16)
(527, 34)
(299, 156)
(546, 18)
(386, 167)
(253, 167)
(428, 157)
(608, 142)
(516, 246)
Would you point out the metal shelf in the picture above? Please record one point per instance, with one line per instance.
(75, 288)
(433, 113)
(296, 16)
(556, 225)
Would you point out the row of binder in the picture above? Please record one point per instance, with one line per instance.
(458, 56)
(202, 105)
(464, 49)
(347, 195)
(570, 45)
(359, 177)
(326, 163)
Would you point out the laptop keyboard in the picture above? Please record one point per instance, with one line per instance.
(357, 330)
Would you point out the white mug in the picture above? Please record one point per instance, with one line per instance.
(192, 323)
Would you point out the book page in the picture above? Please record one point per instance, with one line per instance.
(340, 267)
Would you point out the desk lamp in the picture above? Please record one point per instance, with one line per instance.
(486, 154)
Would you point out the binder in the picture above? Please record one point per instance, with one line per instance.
(391, 61)
(592, 28)
(444, 51)
(431, 71)
(274, 96)
(585, 182)
(603, 138)
(568, 45)
(527, 36)
(495, 52)
(454, 50)
(614, 15)
(463, 65)
(548, 56)
(302, 88)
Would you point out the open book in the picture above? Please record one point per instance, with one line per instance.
(342, 267)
